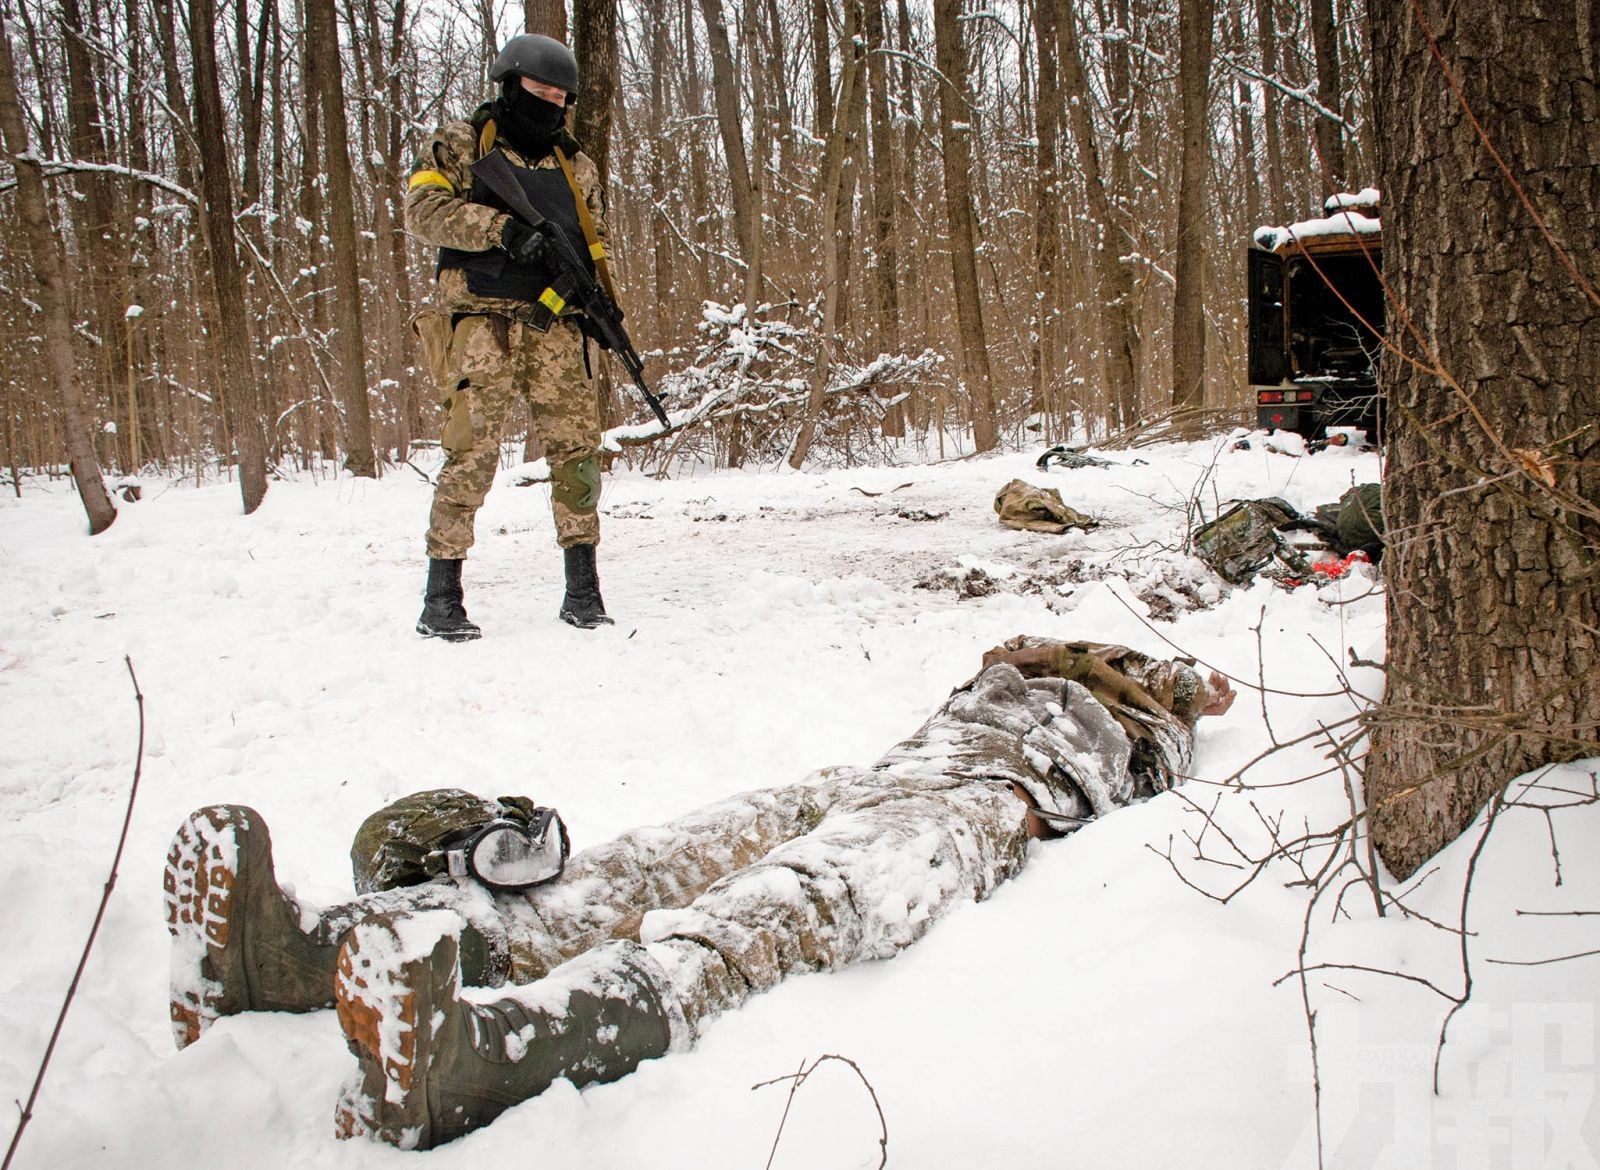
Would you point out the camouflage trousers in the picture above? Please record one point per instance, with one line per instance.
(488, 366)
(851, 864)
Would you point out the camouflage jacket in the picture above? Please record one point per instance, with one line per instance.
(440, 212)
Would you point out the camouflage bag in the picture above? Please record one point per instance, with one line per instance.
(1035, 509)
(399, 844)
(1244, 540)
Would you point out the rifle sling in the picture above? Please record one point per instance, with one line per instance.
(596, 248)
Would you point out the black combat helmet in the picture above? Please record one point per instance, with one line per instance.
(541, 58)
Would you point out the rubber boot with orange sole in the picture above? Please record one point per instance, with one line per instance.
(434, 1066)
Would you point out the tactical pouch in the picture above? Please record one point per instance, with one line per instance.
(433, 329)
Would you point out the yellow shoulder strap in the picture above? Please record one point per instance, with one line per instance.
(597, 250)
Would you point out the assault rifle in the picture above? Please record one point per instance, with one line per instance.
(604, 318)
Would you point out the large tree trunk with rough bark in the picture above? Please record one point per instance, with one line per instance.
(49, 289)
(1492, 486)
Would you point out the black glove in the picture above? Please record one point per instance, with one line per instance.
(524, 244)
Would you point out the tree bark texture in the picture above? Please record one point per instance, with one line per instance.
(1119, 331)
(746, 198)
(595, 45)
(851, 51)
(49, 284)
(1188, 297)
(1330, 135)
(545, 17)
(1492, 485)
(327, 87)
(956, 115)
(238, 390)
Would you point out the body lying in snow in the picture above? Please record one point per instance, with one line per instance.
(646, 938)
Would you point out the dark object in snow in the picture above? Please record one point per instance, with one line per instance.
(851, 864)
(582, 606)
(1316, 309)
(921, 515)
(1023, 506)
(1245, 539)
(1253, 534)
(1356, 521)
(443, 614)
(1070, 457)
(973, 583)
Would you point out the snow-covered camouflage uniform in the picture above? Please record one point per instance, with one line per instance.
(648, 937)
(487, 357)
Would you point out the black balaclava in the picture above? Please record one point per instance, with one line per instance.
(529, 123)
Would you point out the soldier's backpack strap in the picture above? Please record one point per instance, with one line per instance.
(597, 250)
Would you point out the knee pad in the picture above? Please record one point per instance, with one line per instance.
(575, 484)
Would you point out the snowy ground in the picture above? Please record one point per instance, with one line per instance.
(1095, 1013)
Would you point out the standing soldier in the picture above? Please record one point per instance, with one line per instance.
(498, 334)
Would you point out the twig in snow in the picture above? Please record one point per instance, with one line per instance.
(99, 915)
(796, 1079)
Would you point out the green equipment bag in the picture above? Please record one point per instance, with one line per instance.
(1244, 540)
(1357, 520)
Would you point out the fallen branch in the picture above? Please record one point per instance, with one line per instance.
(99, 915)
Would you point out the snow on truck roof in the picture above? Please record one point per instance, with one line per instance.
(1349, 215)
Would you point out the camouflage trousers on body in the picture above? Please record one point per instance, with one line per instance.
(851, 864)
(488, 366)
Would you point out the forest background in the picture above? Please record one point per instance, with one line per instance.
(988, 196)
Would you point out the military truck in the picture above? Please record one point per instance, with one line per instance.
(1316, 319)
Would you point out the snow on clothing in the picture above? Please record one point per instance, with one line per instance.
(488, 356)
(646, 938)
(851, 864)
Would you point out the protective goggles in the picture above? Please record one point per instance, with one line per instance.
(507, 855)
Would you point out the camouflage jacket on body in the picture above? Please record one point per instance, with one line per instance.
(440, 212)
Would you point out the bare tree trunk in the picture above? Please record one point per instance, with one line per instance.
(1250, 175)
(545, 17)
(1492, 485)
(955, 137)
(1113, 283)
(96, 221)
(1330, 138)
(49, 281)
(821, 73)
(1267, 33)
(746, 195)
(238, 391)
(595, 44)
(326, 87)
(1188, 298)
(1048, 191)
(828, 201)
(886, 184)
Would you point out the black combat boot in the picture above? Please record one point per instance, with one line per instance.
(443, 615)
(582, 606)
(434, 1066)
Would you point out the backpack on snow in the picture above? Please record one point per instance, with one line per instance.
(1245, 539)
